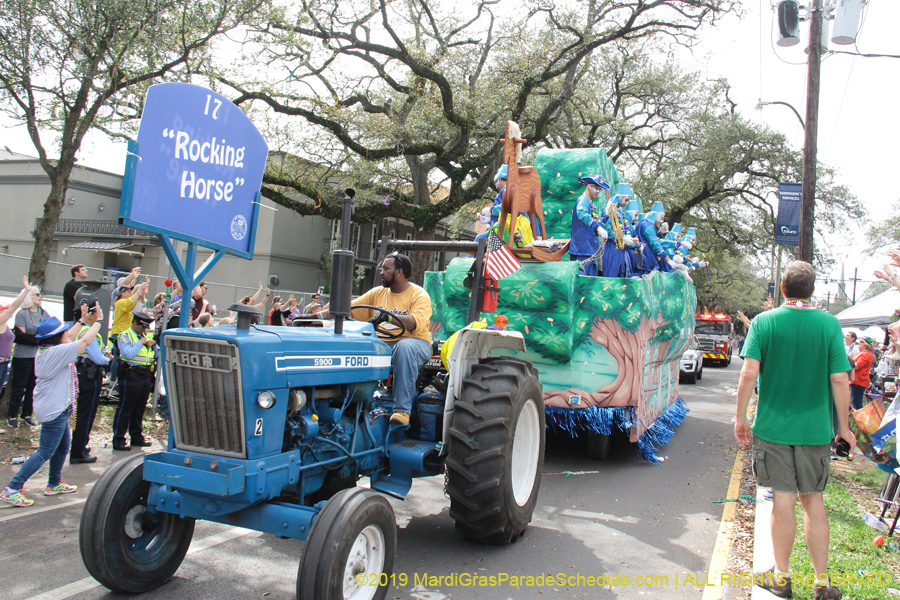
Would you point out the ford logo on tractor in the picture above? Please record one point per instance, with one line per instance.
(202, 360)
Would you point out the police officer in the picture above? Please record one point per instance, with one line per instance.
(137, 353)
(89, 366)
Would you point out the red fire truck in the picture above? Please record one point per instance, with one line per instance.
(715, 334)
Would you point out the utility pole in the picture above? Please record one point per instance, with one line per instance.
(828, 305)
(810, 147)
(855, 279)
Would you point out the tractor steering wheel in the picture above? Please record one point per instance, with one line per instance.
(382, 317)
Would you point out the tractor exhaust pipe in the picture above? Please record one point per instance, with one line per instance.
(342, 268)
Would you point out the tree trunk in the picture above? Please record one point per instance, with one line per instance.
(421, 261)
(630, 353)
(43, 233)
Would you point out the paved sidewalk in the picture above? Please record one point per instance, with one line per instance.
(763, 553)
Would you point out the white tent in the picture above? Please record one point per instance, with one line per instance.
(874, 311)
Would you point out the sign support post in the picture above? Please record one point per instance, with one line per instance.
(196, 180)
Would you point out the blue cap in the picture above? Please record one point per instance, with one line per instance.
(625, 190)
(502, 172)
(691, 232)
(652, 216)
(49, 327)
(658, 208)
(632, 206)
(676, 228)
(595, 180)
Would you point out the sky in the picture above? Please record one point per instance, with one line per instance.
(857, 116)
(857, 100)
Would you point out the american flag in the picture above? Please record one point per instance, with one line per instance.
(500, 262)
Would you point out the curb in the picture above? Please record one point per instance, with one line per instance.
(719, 560)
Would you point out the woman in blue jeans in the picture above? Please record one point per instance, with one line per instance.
(54, 397)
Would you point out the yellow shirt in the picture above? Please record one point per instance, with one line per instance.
(122, 316)
(414, 301)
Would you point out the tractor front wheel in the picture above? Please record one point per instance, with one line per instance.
(496, 452)
(125, 547)
(349, 554)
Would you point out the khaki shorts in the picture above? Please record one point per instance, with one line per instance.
(791, 469)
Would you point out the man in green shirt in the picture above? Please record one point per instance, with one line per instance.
(797, 353)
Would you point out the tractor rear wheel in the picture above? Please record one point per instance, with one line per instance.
(124, 547)
(496, 452)
(349, 554)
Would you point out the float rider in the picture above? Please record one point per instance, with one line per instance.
(586, 227)
(500, 184)
(137, 352)
(616, 261)
(655, 257)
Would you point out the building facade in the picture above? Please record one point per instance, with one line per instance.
(291, 250)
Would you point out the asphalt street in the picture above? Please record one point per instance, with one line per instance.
(619, 517)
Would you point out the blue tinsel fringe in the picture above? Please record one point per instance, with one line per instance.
(598, 419)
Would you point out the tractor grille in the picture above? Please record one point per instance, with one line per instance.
(203, 382)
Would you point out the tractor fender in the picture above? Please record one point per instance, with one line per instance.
(472, 345)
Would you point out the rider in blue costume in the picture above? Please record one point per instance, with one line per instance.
(586, 226)
(631, 208)
(500, 183)
(655, 256)
(620, 239)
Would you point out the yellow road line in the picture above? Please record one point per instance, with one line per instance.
(719, 559)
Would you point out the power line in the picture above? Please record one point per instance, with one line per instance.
(837, 119)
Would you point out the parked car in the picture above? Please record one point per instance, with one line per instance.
(692, 363)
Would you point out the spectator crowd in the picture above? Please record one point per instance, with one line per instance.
(57, 369)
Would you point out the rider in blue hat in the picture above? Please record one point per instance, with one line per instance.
(500, 183)
(621, 249)
(655, 256)
(586, 227)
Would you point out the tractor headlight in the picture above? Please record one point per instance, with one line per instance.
(265, 399)
(297, 401)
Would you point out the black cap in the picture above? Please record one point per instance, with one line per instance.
(143, 317)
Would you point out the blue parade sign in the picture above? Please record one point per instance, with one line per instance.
(787, 224)
(198, 170)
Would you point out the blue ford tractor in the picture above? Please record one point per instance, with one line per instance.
(272, 428)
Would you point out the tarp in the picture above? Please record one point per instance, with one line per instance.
(874, 311)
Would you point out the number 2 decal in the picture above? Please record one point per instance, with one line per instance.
(258, 430)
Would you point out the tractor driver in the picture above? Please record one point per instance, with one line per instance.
(410, 304)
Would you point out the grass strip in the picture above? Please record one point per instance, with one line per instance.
(851, 551)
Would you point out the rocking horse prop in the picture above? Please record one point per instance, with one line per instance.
(523, 196)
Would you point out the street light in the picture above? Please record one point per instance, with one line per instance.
(760, 105)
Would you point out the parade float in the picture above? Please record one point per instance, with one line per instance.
(606, 349)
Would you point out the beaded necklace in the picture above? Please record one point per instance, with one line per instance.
(798, 303)
(616, 225)
(71, 384)
(40, 312)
